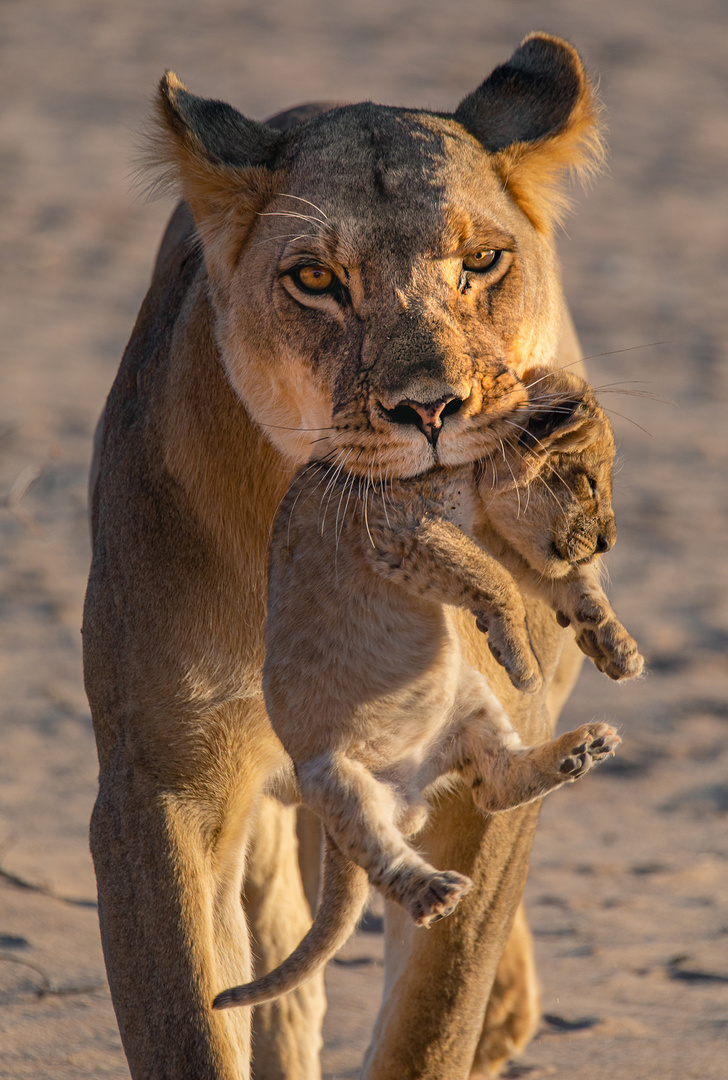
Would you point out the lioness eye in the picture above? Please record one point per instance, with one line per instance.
(592, 484)
(313, 278)
(481, 260)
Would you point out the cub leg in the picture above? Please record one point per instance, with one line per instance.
(578, 599)
(438, 559)
(599, 633)
(506, 778)
(359, 813)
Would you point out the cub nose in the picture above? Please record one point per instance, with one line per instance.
(607, 536)
(426, 416)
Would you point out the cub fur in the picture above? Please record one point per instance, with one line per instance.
(365, 683)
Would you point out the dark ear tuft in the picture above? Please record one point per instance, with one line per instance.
(531, 96)
(539, 115)
(224, 135)
(220, 162)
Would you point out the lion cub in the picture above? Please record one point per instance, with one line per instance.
(364, 678)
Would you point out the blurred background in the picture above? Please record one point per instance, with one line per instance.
(629, 884)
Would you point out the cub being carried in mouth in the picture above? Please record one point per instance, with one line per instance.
(365, 680)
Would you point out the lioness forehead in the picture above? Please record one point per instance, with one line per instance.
(376, 168)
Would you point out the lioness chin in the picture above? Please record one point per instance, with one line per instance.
(360, 271)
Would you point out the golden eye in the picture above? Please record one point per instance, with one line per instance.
(314, 278)
(481, 260)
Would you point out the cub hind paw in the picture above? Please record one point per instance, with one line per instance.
(431, 896)
(579, 750)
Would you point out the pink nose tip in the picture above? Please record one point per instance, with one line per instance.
(427, 416)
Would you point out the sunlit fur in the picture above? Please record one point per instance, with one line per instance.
(230, 380)
(365, 681)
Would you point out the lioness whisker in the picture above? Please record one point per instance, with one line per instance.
(381, 489)
(593, 356)
(281, 236)
(616, 352)
(366, 510)
(286, 195)
(515, 482)
(329, 490)
(332, 485)
(550, 374)
(349, 485)
(613, 412)
(292, 214)
(618, 388)
(312, 465)
(282, 427)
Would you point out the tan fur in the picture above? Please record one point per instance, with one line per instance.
(227, 372)
(364, 680)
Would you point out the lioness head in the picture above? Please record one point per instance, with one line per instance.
(374, 269)
(550, 491)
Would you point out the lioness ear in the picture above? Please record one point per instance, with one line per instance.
(218, 160)
(539, 115)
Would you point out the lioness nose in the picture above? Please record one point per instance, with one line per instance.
(427, 416)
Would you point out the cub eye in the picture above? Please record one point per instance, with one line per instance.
(313, 279)
(481, 260)
(592, 485)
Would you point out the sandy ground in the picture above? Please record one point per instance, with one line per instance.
(627, 893)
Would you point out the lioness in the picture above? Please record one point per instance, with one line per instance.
(364, 678)
(375, 259)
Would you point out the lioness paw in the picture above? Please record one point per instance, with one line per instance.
(579, 750)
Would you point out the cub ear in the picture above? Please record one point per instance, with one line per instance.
(539, 115)
(218, 160)
(563, 426)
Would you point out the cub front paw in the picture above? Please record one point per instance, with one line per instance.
(511, 648)
(579, 750)
(613, 650)
(430, 896)
(601, 636)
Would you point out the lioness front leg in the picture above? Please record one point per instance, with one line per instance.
(359, 813)
(507, 778)
(438, 559)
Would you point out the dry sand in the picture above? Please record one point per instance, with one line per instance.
(627, 893)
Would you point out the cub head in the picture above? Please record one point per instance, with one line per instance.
(550, 492)
(374, 270)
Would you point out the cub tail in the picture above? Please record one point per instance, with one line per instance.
(343, 895)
